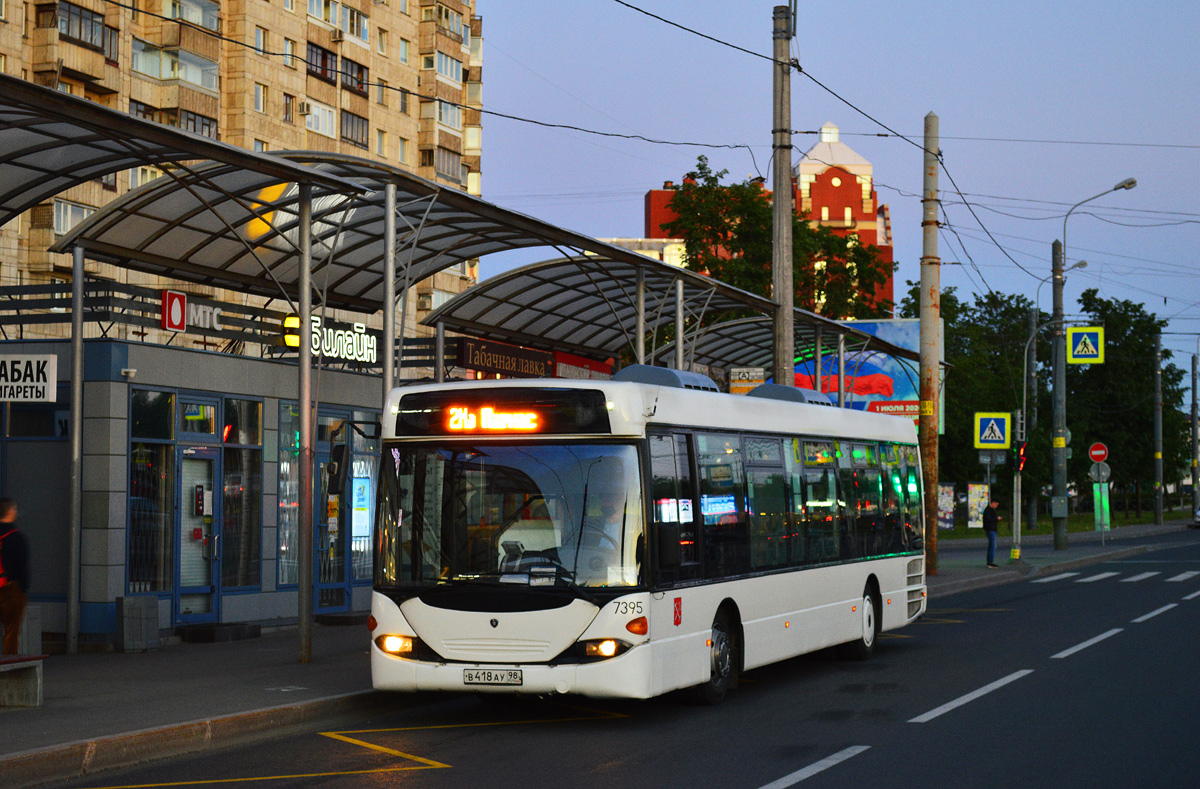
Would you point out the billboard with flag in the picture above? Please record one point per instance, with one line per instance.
(875, 382)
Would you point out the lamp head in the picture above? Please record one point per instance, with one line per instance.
(1076, 264)
(1128, 183)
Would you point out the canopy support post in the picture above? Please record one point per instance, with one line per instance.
(304, 590)
(75, 528)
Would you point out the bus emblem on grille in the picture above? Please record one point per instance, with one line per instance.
(495, 623)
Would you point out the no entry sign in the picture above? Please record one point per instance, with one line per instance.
(1098, 452)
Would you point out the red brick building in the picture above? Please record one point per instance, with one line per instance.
(833, 185)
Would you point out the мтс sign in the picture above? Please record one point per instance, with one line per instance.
(29, 378)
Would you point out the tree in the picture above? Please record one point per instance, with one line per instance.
(727, 234)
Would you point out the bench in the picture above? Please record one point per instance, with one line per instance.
(21, 680)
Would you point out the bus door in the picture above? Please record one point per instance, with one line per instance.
(197, 592)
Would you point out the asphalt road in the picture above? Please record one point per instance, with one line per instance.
(1081, 680)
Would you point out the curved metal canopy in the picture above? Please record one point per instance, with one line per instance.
(587, 305)
(749, 342)
(52, 141)
(195, 226)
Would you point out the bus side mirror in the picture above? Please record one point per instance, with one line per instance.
(668, 545)
(338, 467)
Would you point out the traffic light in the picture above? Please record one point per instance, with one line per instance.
(1021, 456)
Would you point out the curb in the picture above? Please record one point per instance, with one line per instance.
(84, 757)
(1005, 576)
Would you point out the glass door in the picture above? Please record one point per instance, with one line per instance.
(199, 535)
(329, 541)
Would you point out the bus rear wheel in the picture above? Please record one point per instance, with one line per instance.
(863, 647)
(723, 664)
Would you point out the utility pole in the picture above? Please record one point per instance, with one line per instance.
(1058, 449)
(1032, 409)
(782, 290)
(1158, 464)
(1195, 441)
(931, 331)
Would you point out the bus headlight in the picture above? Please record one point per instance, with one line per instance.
(604, 647)
(395, 645)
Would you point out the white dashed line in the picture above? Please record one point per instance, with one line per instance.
(816, 767)
(1086, 644)
(1155, 613)
(1058, 577)
(1183, 576)
(961, 700)
(1139, 577)
(1094, 578)
(1192, 596)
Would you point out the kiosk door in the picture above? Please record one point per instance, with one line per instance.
(199, 536)
(329, 541)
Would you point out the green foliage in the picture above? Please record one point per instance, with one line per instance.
(1111, 402)
(727, 234)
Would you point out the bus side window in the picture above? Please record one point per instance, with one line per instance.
(821, 503)
(848, 481)
(723, 504)
(767, 503)
(672, 498)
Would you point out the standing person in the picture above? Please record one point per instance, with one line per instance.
(14, 575)
(991, 519)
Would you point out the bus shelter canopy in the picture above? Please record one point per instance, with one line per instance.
(221, 226)
(587, 305)
(52, 141)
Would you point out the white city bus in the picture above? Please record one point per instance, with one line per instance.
(625, 539)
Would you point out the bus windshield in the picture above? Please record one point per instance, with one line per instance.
(531, 514)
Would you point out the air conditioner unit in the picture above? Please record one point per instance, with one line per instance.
(381, 2)
(424, 301)
(305, 108)
(338, 35)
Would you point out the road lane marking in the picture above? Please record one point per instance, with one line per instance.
(1139, 577)
(1192, 596)
(1155, 613)
(1058, 577)
(1086, 644)
(961, 700)
(1094, 578)
(1183, 576)
(816, 767)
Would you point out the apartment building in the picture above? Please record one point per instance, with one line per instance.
(390, 80)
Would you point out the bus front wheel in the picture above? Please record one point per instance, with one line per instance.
(863, 647)
(723, 664)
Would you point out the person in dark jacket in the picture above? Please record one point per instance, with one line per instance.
(14, 575)
(991, 519)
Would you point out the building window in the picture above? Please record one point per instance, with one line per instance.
(289, 5)
(449, 114)
(381, 41)
(357, 24)
(260, 97)
(354, 77)
(201, 124)
(260, 41)
(112, 44)
(402, 50)
(321, 119)
(199, 12)
(289, 53)
(145, 111)
(289, 108)
(448, 67)
(260, 145)
(108, 181)
(189, 67)
(325, 10)
(402, 152)
(147, 59)
(448, 164)
(68, 214)
(322, 63)
(354, 129)
(381, 91)
(81, 26)
(143, 175)
(381, 142)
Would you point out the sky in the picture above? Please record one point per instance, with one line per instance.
(1073, 97)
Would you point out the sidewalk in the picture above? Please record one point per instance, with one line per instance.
(111, 709)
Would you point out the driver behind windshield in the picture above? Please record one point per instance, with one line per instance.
(595, 552)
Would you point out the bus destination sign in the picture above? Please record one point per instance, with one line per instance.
(467, 420)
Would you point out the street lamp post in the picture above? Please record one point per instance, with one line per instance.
(1058, 452)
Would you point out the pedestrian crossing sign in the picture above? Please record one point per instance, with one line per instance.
(1085, 345)
(991, 430)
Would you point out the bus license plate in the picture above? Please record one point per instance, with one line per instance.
(483, 676)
